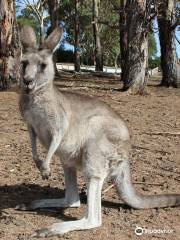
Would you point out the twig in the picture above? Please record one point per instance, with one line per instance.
(148, 183)
(162, 133)
(107, 189)
(12, 211)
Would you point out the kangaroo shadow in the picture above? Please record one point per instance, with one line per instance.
(13, 195)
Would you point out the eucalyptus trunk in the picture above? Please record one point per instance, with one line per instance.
(9, 45)
(53, 7)
(96, 31)
(169, 60)
(42, 31)
(53, 13)
(133, 45)
(77, 63)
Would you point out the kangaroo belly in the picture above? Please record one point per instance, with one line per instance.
(43, 135)
(70, 149)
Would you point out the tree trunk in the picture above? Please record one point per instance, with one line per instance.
(169, 60)
(77, 63)
(9, 45)
(53, 13)
(96, 31)
(42, 31)
(133, 45)
(123, 37)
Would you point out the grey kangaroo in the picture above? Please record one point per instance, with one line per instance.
(84, 132)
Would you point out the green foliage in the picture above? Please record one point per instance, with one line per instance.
(109, 36)
(27, 15)
(153, 60)
(152, 48)
(153, 63)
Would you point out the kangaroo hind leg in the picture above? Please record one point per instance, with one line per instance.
(71, 195)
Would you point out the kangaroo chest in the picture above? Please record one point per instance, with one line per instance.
(46, 121)
(42, 117)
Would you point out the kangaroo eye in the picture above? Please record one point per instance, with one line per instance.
(24, 64)
(43, 66)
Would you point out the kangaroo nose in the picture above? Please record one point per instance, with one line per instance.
(27, 80)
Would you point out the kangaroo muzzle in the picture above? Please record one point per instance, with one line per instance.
(29, 84)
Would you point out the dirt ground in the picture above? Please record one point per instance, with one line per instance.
(154, 123)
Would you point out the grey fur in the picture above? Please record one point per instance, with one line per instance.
(86, 134)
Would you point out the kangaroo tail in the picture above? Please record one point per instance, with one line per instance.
(122, 179)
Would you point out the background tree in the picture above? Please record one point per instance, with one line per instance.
(97, 39)
(9, 45)
(77, 62)
(108, 23)
(152, 47)
(53, 7)
(25, 17)
(134, 27)
(37, 9)
(168, 20)
(109, 32)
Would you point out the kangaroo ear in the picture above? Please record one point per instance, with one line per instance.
(52, 41)
(27, 36)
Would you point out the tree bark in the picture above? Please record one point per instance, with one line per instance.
(169, 60)
(42, 31)
(77, 63)
(133, 45)
(53, 13)
(9, 45)
(96, 31)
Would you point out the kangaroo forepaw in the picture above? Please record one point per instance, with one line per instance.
(45, 173)
(39, 163)
(43, 168)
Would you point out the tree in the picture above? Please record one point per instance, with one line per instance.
(168, 20)
(86, 37)
(24, 17)
(97, 40)
(9, 45)
(70, 13)
(38, 10)
(152, 47)
(109, 32)
(134, 27)
(53, 7)
(77, 62)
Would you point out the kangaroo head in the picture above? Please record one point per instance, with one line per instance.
(37, 62)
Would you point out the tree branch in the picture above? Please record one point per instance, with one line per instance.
(177, 39)
(108, 24)
(177, 23)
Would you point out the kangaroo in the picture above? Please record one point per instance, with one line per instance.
(83, 131)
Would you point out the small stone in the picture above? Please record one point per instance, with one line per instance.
(19, 222)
